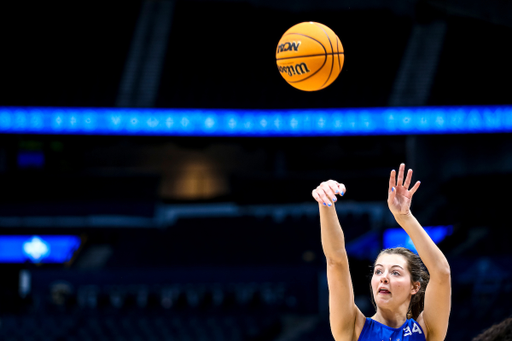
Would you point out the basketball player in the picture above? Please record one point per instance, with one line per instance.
(406, 307)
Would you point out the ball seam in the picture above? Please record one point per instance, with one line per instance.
(332, 49)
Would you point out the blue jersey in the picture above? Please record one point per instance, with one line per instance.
(375, 331)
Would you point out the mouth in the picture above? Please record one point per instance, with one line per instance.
(384, 291)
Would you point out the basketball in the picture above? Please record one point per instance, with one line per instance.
(309, 56)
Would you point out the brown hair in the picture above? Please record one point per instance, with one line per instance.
(498, 332)
(418, 274)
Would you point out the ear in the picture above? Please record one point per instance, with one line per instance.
(415, 288)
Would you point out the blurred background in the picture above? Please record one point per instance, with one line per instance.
(205, 238)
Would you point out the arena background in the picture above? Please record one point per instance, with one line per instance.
(217, 238)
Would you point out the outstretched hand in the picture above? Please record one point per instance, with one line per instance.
(399, 194)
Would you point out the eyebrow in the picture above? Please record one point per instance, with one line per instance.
(396, 265)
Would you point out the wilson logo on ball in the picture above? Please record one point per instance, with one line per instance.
(309, 56)
(288, 46)
(298, 69)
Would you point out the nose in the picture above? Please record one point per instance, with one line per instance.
(384, 278)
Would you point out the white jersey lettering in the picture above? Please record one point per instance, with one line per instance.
(416, 329)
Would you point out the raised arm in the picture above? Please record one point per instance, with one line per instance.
(346, 319)
(437, 305)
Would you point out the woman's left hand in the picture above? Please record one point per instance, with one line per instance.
(399, 194)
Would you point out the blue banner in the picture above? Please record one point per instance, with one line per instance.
(264, 123)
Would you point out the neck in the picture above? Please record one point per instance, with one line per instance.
(390, 318)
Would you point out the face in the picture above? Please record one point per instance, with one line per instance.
(391, 282)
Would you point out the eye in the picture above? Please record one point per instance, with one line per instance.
(396, 273)
(378, 272)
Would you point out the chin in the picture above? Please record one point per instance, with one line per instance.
(383, 302)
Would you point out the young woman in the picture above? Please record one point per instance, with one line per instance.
(407, 308)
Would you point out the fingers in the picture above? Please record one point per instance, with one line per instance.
(407, 181)
(415, 187)
(326, 192)
(392, 180)
(408, 178)
(342, 189)
(316, 196)
(400, 179)
(323, 196)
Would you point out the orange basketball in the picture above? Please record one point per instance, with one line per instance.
(309, 56)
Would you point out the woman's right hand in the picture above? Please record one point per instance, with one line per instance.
(326, 192)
